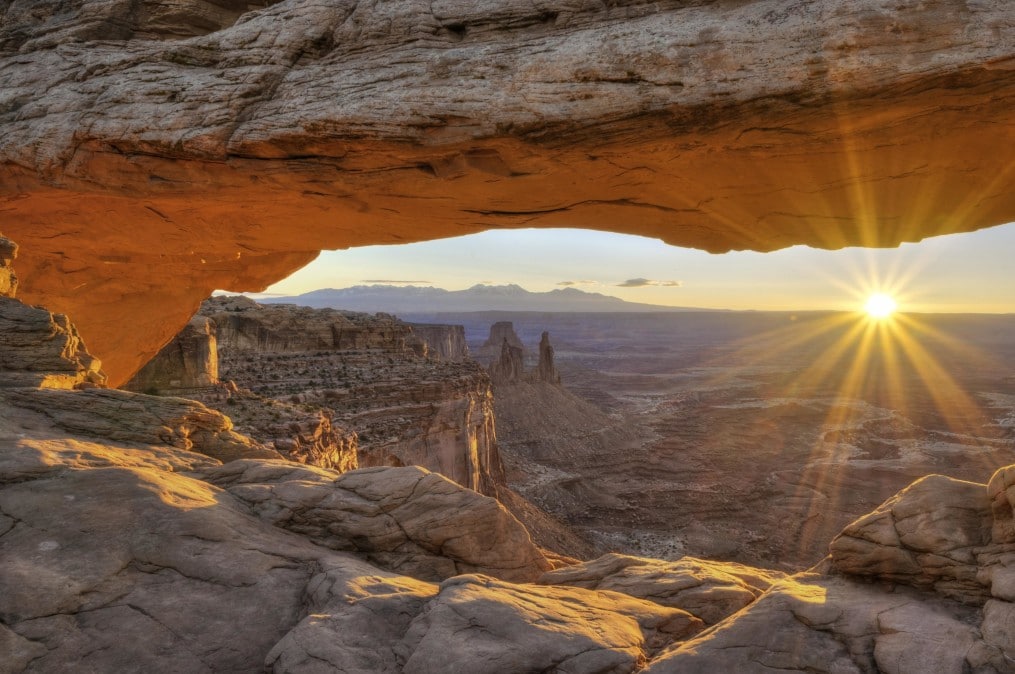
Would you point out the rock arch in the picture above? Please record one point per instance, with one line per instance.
(140, 171)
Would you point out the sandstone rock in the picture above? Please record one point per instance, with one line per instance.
(8, 279)
(710, 591)
(510, 367)
(813, 624)
(547, 371)
(188, 362)
(42, 350)
(999, 629)
(407, 520)
(121, 416)
(245, 325)
(926, 536)
(357, 615)
(1001, 494)
(485, 626)
(138, 569)
(500, 332)
(444, 342)
(121, 150)
(394, 406)
(363, 621)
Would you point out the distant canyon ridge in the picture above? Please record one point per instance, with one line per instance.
(154, 152)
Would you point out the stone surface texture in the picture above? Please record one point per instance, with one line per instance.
(188, 362)
(147, 141)
(546, 370)
(444, 342)
(709, 590)
(930, 535)
(8, 279)
(408, 520)
(365, 374)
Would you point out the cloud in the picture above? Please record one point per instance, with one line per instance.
(392, 282)
(642, 282)
(582, 282)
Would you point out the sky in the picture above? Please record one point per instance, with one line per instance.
(972, 272)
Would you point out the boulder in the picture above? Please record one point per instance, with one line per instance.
(709, 590)
(407, 520)
(928, 536)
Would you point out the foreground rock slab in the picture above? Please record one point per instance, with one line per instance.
(709, 590)
(408, 520)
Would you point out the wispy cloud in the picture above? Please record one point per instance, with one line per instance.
(582, 282)
(642, 282)
(393, 282)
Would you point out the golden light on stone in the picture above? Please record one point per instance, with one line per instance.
(880, 306)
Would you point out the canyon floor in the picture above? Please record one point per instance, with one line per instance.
(753, 437)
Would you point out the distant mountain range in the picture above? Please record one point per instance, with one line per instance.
(420, 299)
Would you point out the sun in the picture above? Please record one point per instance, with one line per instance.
(880, 305)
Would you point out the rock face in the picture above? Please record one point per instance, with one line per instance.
(407, 520)
(444, 342)
(711, 591)
(547, 371)
(123, 146)
(188, 362)
(939, 533)
(120, 416)
(510, 367)
(365, 375)
(8, 279)
(500, 332)
(38, 349)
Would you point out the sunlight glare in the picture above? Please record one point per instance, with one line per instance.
(880, 305)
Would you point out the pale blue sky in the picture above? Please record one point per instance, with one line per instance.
(963, 272)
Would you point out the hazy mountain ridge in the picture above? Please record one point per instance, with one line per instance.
(480, 297)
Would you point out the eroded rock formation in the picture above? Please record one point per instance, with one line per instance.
(407, 520)
(188, 362)
(510, 367)
(362, 376)
(131, 157)
(546, 370)
(38, 349)
(8, 279)
(444, 342)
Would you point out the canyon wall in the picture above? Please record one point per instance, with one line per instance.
(444, 342)
(188, 362)
(366, 374)
(144, 142)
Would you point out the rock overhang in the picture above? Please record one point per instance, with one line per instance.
(150, 171)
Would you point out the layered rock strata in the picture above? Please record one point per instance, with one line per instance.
(38, 349)
(188, 362)
(510, 367)
(546, 370)
(188, 366)
(444, 342)
(407, 520)
(368, 377)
